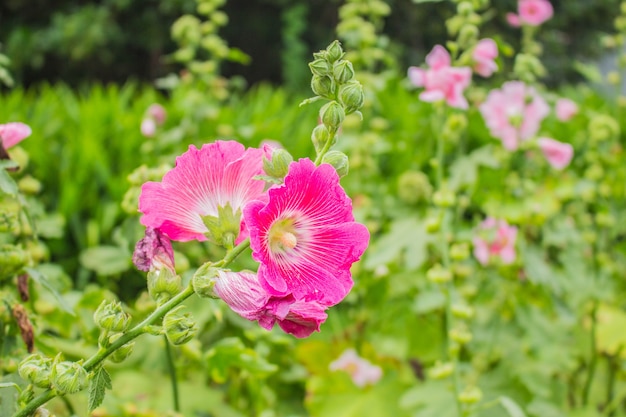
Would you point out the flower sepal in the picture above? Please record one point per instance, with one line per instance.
(223, 228)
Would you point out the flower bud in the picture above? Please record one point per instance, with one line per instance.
(414, 187)
(444, 198)
(12, 260)
(69, 377)
(36, 369)
(319, 137)
(471, 395)
(163, 284)
(459, 251)
(468, 35)
(123, 352)
(462, 311)
(338, 160)
(322, 85)
(351, 96)
(320, 67)
(462, 336)
(433, 224)
(603, 127)
(332, 115)
(278, 166)
(465, 8)
(441, 370)
(334, 52)
(111, 317)
(203, 281)
(437, 274)
(179, 328)
(29, 185)
(343, 71)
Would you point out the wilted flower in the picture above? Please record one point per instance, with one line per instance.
(495, 238)
(565, 109)
(514, 113)
(13, 133)
(441, 81)
(530, 12)
(305, 237)
(208, 186)
(484, 55)
(154, 251)
(360, 370)
(557, 153)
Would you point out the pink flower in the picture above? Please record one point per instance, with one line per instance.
(13, 133)
(565, 109)
(360, 370)
(154, 251)
(530, 12)
(514, 113)
(495, 238)
(217, 177)
(441, 81)
(558, 154)
(245, 296)
(485, 52)
(148, 127)
(305, 237)
(157, 113)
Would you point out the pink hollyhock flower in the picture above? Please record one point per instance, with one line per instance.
(157, 113)
(514, 113)
(360, 370)
(245, 296)
(148, 127)
(153, 252)
(558, 154)
(217, 176)
(305, 237)
(441, 81)
(484, 55)
(13, 133)
(565, 109)
(530, 12)
(495, 238)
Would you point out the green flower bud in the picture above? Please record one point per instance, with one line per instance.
(219, 18)
(12, 260)
(351, 96)
(444, 198)
(461, 335)
(334, 52)
(437, 274)
(433, 224)
(343, 71)
(278, 166)
(111, 317)
(123, 352)
(454, 24)
(471, 395)
(468, 35)
(459, 251)
(441, 370)
(203, 281)
(594, 172)
(332, 115)
(323, 86)
(603, 127)
(29, 185)
(69, 377)
(163, 284)
(320, 67)
(465, 8)
(462, 311)
(604, 219)
(179, 328)
(36, 369)
(319, 137)
(414, 187)
(338, 160)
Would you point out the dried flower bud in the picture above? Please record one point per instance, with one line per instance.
(36, 369)
(351, 96)
(338, 160)
(332, 115)
(69, 377)
(112, 317)
(179, 328)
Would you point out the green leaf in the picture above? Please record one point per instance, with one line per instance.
(7, 184)
(105, 260)
(100, 382)
(42, 280)
(511, 407)
(231, 353)
(464, 171)
(406, 236)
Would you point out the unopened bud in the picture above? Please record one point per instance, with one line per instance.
(414, 187)
(334, 52)
(163, 284)
(462, 311)
(278, 166)
(459, 251)
(441, 370)
(471, 395)
(322, 85)
(179, 328)
(112, 317)
(465, 8)
(36, 369)
(203, 281)
(438, 274)
(320, 67)
(69, 377)
(351, 96)
(12, 260)
(332, 115)
(338, 160)
(343, 71)
(319, 137)
(433, 224)
(461, 336)
(29, 185)
(122, 352)
(468, 35)
(444, 198)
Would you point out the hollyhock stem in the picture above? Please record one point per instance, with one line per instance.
(172, 370)
(327, 145)
(592, 335)
(141, 328)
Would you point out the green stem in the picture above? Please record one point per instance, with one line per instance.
(594, 356)
(172, 370)
(327, 145)
(133, 333)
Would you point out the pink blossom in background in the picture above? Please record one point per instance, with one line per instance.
(148, 127)
(13, 133)
(157, 113)
(558, 154)
(219, 174)
(360, 370)
(441, 81)
(245, 296)
(495, 238)
(305, 238)
(530, 12)
(514, 113)
(153, 252)
(484, 55)
(565, 109)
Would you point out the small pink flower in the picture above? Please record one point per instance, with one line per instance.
(305, 237)
(153, 252)
(148, 127)
(13, 133)
(484, 55)
(514, 113)
(531, 12)
(218, 175)
(157, 113)
(441, 81)
(245, 296)
(558, 154)
(360, 370)
(495, 238)
(565, 109)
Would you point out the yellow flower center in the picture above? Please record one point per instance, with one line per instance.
(282, 236)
